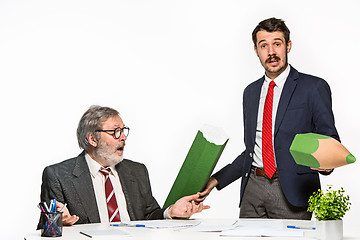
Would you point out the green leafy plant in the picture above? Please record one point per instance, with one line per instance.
(329, 205)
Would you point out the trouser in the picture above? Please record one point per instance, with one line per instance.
(264, 198)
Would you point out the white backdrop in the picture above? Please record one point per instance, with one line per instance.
(168, 67)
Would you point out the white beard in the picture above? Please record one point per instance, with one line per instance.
(106, 155)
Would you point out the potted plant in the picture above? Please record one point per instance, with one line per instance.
(329, 208)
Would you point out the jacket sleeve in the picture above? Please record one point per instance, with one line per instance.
(50, 188)
(230, 172)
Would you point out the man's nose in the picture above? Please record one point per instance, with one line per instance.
(271, 50)
(122, 137)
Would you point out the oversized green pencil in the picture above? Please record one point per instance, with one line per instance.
(319, 151)
(199, 163)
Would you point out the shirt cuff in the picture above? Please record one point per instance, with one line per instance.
(166, 213)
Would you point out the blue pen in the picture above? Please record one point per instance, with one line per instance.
(139, 225)
(127, 225)
(117, 225)
(53, 206)
(62, 209)
(295, 227)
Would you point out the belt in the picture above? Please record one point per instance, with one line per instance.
(261, 172)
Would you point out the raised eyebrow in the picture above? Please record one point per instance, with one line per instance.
(278, 39)
(117, 126)
(275, 39)
(260, 42)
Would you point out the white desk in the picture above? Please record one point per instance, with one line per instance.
(351, 232)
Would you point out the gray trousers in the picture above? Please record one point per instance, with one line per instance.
(264, 198)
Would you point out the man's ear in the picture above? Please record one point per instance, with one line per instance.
(92, 140)
(256, 51)
(289, 45)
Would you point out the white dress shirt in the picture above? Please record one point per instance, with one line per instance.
(279, 81)
(98, 180)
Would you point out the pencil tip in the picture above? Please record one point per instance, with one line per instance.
(350, 158)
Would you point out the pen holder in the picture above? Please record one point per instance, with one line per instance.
(51, 224)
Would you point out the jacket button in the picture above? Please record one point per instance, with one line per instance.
(251, 155)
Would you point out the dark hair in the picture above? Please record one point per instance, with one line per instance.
(91, 121)
(272, 25)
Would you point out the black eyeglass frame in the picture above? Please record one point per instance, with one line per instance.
(114, 131)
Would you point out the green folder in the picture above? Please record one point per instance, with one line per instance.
(199, 163)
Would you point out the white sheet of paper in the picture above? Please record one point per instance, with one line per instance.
(207, 228)
(245, 232)
(260, 224)
(163, 223)
(261, 228)
(105, 232)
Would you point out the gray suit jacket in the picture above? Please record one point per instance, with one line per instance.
(70, 182)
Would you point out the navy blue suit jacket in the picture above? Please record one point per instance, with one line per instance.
(304, 106)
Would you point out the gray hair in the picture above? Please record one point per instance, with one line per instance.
(91, 121)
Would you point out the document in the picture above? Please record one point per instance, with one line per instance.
(245, 232)
(261, 228)
(167, 223)
(257, 223)
(202, 227)
(104, 232)
(199, 163)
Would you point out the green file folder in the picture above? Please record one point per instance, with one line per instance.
(199, 163)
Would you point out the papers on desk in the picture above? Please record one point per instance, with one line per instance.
(259, 228)
(104, 232)
(248, 228)
(202, 227)
(240, 228)
(159, 223)
(244, 232)
(257, 223)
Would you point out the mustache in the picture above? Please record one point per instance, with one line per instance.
(272, 57)
(121, 145)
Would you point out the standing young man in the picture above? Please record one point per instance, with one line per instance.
(276, 107)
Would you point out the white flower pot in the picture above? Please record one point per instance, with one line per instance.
(329, 230)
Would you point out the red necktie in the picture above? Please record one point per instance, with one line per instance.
(267, 140)
(113, 210)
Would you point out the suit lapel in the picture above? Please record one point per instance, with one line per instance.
(128, 183)
(285, 98)
(84, 188)
(253, 109)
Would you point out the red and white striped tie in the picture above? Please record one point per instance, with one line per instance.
(267, 140)
(113, 210)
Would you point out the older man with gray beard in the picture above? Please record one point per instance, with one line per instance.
(99, 185)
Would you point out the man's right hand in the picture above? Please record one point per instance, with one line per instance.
(209, 186)
(68, 219)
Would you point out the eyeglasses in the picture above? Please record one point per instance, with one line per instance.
(116, 133)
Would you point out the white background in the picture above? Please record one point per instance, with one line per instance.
(168, 67)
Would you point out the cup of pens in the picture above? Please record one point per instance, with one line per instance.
(51, 223)
(51, 220)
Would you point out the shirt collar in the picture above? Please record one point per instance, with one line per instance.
(279, 80)
(95, 167)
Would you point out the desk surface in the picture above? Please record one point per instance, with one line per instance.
(136, 233)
